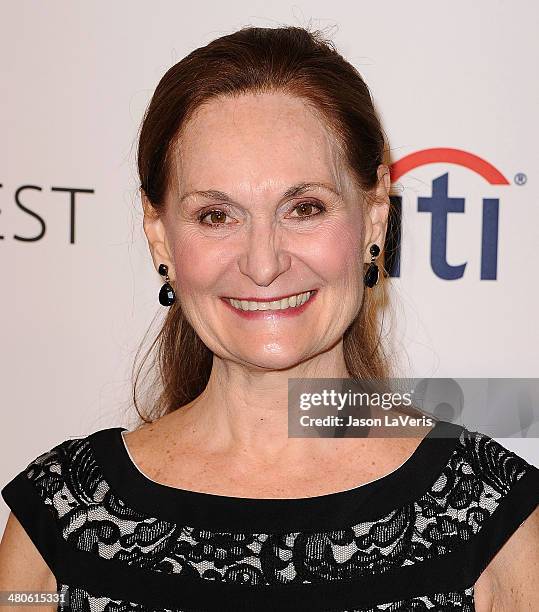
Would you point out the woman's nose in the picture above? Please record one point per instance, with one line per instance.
(263, 257)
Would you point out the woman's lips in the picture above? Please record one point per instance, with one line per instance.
(271, 299)
(291, 311)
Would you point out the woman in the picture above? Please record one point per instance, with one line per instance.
(262, 177)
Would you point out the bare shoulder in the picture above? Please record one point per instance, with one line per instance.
(155, 447)
(509, 583)
(515, 568)
(21, 565)
(148, 437)
(171, 430)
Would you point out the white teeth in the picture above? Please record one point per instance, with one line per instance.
(290, 302)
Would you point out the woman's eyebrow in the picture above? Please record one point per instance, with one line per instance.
(295, 190)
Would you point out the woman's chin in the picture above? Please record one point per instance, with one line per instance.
(280, 358)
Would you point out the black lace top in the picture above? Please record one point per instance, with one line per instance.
(415, 539)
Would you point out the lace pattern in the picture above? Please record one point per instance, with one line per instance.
(441, 602)
(91, 517)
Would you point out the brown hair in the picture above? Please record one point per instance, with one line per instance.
(291, 60)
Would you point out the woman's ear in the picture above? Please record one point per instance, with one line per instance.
(377, 211)
(154, 228)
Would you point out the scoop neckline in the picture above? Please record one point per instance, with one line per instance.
(366, 501)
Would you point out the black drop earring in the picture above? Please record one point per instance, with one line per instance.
(166, 294)
(372, 274)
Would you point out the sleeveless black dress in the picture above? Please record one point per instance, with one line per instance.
(415, 539)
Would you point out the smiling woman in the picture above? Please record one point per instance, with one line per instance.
(266, 208)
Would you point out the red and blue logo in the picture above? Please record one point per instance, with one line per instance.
(439, 205)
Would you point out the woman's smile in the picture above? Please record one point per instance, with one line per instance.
(263, 309)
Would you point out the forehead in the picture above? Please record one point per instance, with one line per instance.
(256, 143)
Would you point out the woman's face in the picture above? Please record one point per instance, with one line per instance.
(259, 242)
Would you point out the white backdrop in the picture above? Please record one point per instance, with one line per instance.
(76, 78)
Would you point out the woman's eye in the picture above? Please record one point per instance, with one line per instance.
(304, 209)
(216, 216)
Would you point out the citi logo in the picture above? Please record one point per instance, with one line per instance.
(439, 205)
